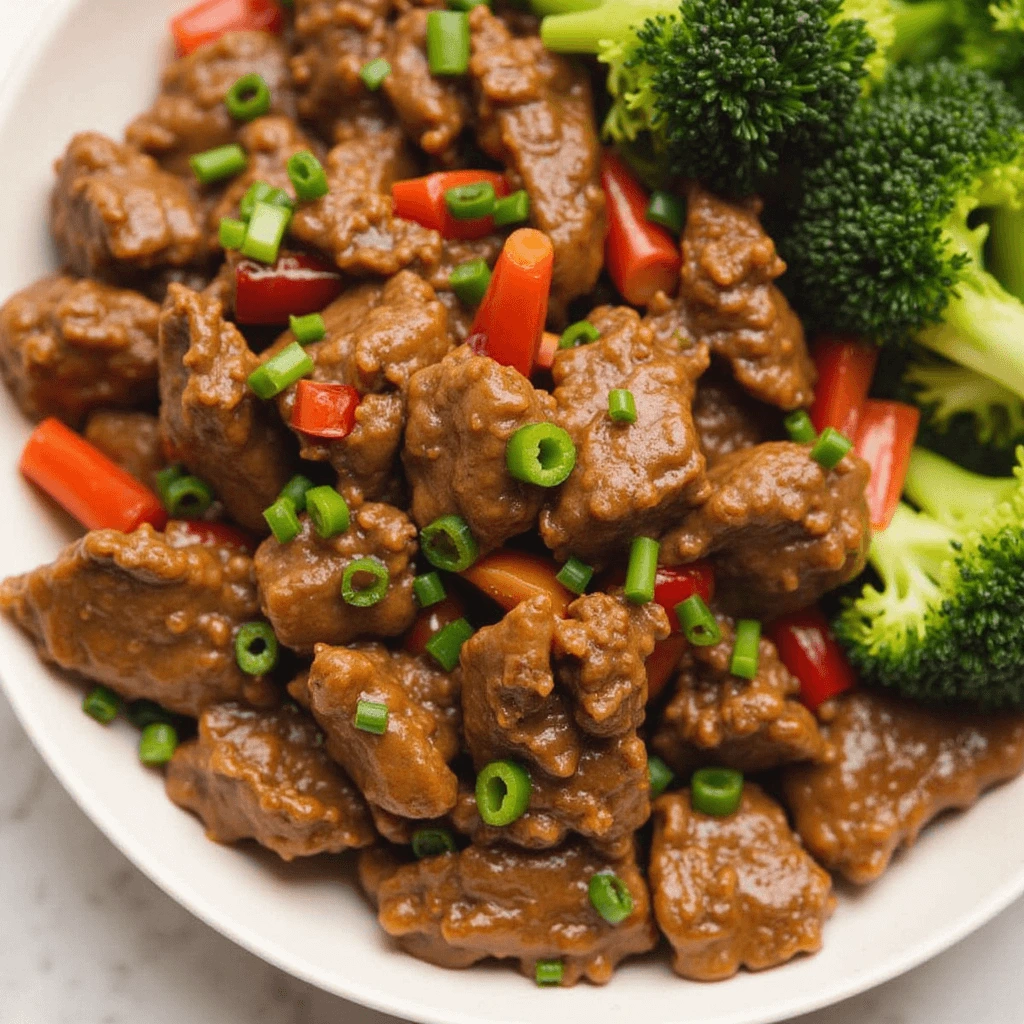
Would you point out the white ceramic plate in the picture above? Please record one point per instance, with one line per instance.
(95, 66)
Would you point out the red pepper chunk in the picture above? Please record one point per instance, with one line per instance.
(216, 534)
(546, 351)
(810, 652)
(845, 370)
(662, 662)
(210, 19)
(884, 441)
(85, 483)
(422, 200)
(674, 584)
(324, 410)
(295, 285)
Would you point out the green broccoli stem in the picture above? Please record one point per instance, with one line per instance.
(916, 25)
(910, 555)
(1006, 249)
(542, 8)
(953, 496)
(582, 31)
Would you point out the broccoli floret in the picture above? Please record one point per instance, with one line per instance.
(727, 91)
(948, 623)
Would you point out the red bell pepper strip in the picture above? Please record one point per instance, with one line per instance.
(324, 410)
(810, 652)
(210, 19)
(508, 577)
(422, 200)
(642, 258)
(885, 439)
(88, 485)
(673, 584)
(430, 621)
(845, 369)
(510, 321)
(214, 534)
(546, 351)
(295, 285)
(662, 662)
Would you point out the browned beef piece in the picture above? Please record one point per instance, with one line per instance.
(899, 765)
(729, 264)
(114, 214)
(300, 582)
(780, 529)
(714, 717)
(462, 412)
(405, 770)
(131, 439)
(143, 617)
(377, 337)
(600, 649)
(630, 479)
(728, 420)
(536, 115)
(189, 116)
(265, 775)
(353, 224)
(209, 416)
(497, 901)
(68, 346)
(734, 892)
(433, 110)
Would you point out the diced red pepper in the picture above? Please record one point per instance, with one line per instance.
(508, 577)
(215, 534)
(546, 351)
(810, 652)
(662, 662)
(422, 200)
(295, 285)
(324, 410)
(642, 258)
(210, 19)
(673, 584)
(845, 369)
(885, 439)
(432, 620)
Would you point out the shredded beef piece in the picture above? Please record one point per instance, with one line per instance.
(131, 439)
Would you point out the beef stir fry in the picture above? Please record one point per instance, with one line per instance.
(452, 498)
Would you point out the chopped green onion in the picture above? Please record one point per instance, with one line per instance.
(157, 743)
(449, 544)
(549, 972)
(659, 774)
(540, 453)
(145, 712)
(256, 648)
(575, 575)
(248, 98)
(308, 328)
(187, 497)
(307, 176)
(281, 371)
(799, 427)
(257, 192)
(621, 406)
(374, 72)
(218, 164)
(102, 704)
(610, 897)
(371, 717)
(466, 5)
(165, 477)
(446, 644)
(429, 589)
(667, 210)
(513, 209)
(267, 226)
(365, 596)
(745, 653)
(471, 202)
(470, 281)
(328, 510)
(283, 522)
(502, 793)
(698, 622)
(231, 233)
(643, 568)
(448, 42)
(295, 491)
(581, 333)
(830, 448)
(432, 842)
(278, 197)
(716, 791)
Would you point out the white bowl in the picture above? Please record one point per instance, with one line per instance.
(94, 66)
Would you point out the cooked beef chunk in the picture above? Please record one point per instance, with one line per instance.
(462, 413)
(300, 582)
(405, 770)
(265, 775)
(536, 115)
(498, 901)
(209, 416)
(189, 116)
(898, 765)
(736, 891)
(727, 420)
(144, 617)
(630, 479)
(68, 346)
(115, 214)
(780, 528)
(714, 717)
(131, 439)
